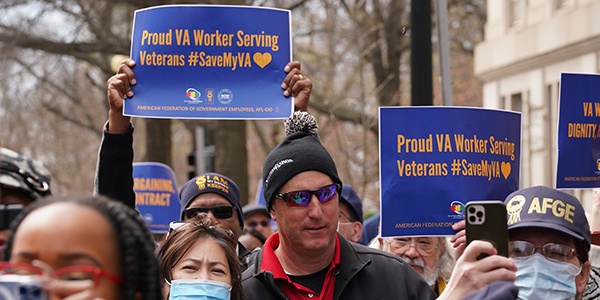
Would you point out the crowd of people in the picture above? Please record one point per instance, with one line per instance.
(99, 247)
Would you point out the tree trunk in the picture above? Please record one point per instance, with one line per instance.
(231, 157)
(158, 141)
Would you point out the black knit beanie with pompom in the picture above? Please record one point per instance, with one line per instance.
(300, 151)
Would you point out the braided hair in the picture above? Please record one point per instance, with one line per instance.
(140, 272)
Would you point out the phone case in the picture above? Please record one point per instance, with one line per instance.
(486, 220)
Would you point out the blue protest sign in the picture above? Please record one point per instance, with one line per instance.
(210, 62)
(579, 131)
(259, 198)
(156, 195)
(433, 160)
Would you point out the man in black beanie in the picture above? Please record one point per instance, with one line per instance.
(115, 157)
(307, 258)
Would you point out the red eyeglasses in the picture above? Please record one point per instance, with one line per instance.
(67, 273)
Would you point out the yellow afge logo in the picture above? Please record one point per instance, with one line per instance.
(547, 206)
(514, 207)
(554, 206)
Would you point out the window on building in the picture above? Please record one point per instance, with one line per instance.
(562, 4)
(516, 102)
(516, 12)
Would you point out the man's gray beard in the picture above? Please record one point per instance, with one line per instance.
(433, 276)
(428, 274)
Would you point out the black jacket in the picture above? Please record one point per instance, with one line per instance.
(364, 274)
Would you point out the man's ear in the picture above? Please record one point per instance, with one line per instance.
(273, 214)
(380, 241)
(356, 231)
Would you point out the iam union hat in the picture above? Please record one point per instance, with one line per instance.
(300, 151)
(211, 183)
(545, 207)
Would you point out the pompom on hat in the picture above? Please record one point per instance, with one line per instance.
(300, 151)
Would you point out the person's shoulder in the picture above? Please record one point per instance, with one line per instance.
(252, 264)
(592, 290)
(387, 270)
(376, 255)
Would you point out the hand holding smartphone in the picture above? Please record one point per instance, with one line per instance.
(486, 221)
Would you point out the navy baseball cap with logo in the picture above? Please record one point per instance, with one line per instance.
(211, 183)
(252, 209)
(350, 197)
(545, 207)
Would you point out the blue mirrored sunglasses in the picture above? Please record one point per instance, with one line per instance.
(302, 197)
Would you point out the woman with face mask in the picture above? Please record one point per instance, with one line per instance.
(199, 261)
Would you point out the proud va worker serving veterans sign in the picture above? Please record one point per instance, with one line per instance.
(433, 160)
(211, 62)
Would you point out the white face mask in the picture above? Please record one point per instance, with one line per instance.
(199, 289)
(543, 279)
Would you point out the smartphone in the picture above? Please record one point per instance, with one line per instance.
(23, 287)
(486, 220)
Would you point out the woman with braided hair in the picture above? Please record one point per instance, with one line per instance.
(87, 248)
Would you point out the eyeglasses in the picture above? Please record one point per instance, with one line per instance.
(262, 223)
(177, 225)
(220, 212)
(552, 251)
(302, 197)
(424, 247)
(67, 273)
(342, 213)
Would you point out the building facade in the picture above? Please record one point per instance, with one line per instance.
(527, 45)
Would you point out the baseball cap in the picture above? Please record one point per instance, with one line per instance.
(211, 183)
(251, 209)
(24, 173)
(350, 197)
(545, 207)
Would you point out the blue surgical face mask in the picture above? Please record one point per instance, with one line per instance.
(199, 289)
(541, 278)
